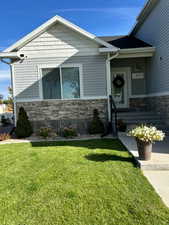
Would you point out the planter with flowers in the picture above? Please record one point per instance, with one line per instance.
(145, 137)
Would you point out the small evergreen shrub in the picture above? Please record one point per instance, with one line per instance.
(96, 126)
(23, 127)
(69, 132)
(45, 132)
(5, 136)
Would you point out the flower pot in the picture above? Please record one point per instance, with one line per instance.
(144, 150)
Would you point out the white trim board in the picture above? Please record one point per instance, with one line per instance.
(76, 99)
(136, 52)
(41, 29)
(159, 94)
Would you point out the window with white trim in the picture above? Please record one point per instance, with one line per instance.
(61, 82)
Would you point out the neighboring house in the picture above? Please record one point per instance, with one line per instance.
(3, 108)
(61, 72)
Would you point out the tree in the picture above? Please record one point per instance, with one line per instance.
(9, 100)
(1, 99)
(23, 127)
(96, 126)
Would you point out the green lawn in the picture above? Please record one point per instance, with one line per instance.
(75, 183)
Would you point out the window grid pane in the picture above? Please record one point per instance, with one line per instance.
(51, 83)
(70, 82)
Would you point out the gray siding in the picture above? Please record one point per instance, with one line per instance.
(27, 79)
(155, 30)
(60, 41)
(138, 87)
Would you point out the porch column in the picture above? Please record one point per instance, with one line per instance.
(108, 86)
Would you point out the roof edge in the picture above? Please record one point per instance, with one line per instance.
(147, 9)
(8, 55)
(143, 49)
(26, 39)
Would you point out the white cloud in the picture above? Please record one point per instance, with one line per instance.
(4, 75)
(2, 47)
(121, 11)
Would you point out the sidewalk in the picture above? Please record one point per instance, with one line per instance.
(157, 169)
(160, 154)
(160, 181)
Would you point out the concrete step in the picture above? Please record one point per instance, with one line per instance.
(139, 113)
(138, 118)
(142, 120)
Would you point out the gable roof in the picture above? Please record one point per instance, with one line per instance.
(125, 42)
(145, 12)
(41, 29)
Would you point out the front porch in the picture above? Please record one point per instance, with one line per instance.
(129, 87)
(130, 67)
(131, 91)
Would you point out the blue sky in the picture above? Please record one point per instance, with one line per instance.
(100, 17)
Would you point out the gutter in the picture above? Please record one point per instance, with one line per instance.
(9, 55)
(138, 50)
(108, 50)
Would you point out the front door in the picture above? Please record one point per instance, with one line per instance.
(120, 87)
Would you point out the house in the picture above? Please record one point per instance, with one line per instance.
(60, 72)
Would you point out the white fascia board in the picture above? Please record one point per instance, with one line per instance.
(9, 55)
(138, 50)
(102, 50)
(46, 25)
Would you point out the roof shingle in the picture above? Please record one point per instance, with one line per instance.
(125, 42)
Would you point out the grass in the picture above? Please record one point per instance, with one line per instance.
(75, 183)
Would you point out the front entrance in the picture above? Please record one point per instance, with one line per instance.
(120, 86)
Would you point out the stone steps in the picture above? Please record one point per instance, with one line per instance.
(138, 118)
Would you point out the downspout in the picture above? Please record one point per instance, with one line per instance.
(109, 92)
(12, 85)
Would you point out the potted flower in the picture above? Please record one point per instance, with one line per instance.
(145, 137)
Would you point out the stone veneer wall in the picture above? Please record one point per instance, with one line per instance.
(58, 114)
(160, 104)
(138, 104)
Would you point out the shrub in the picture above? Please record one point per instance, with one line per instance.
(23, 127)
(5, 121)
(45, 132)
(5, 136)
(96, 126)
(69, 132)
(147, 134)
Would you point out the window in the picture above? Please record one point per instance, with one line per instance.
(51, 83)
(60, 83)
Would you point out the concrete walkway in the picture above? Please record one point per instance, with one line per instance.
(157, 169)
(160, 154)
(39, 139)
(160, 181)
